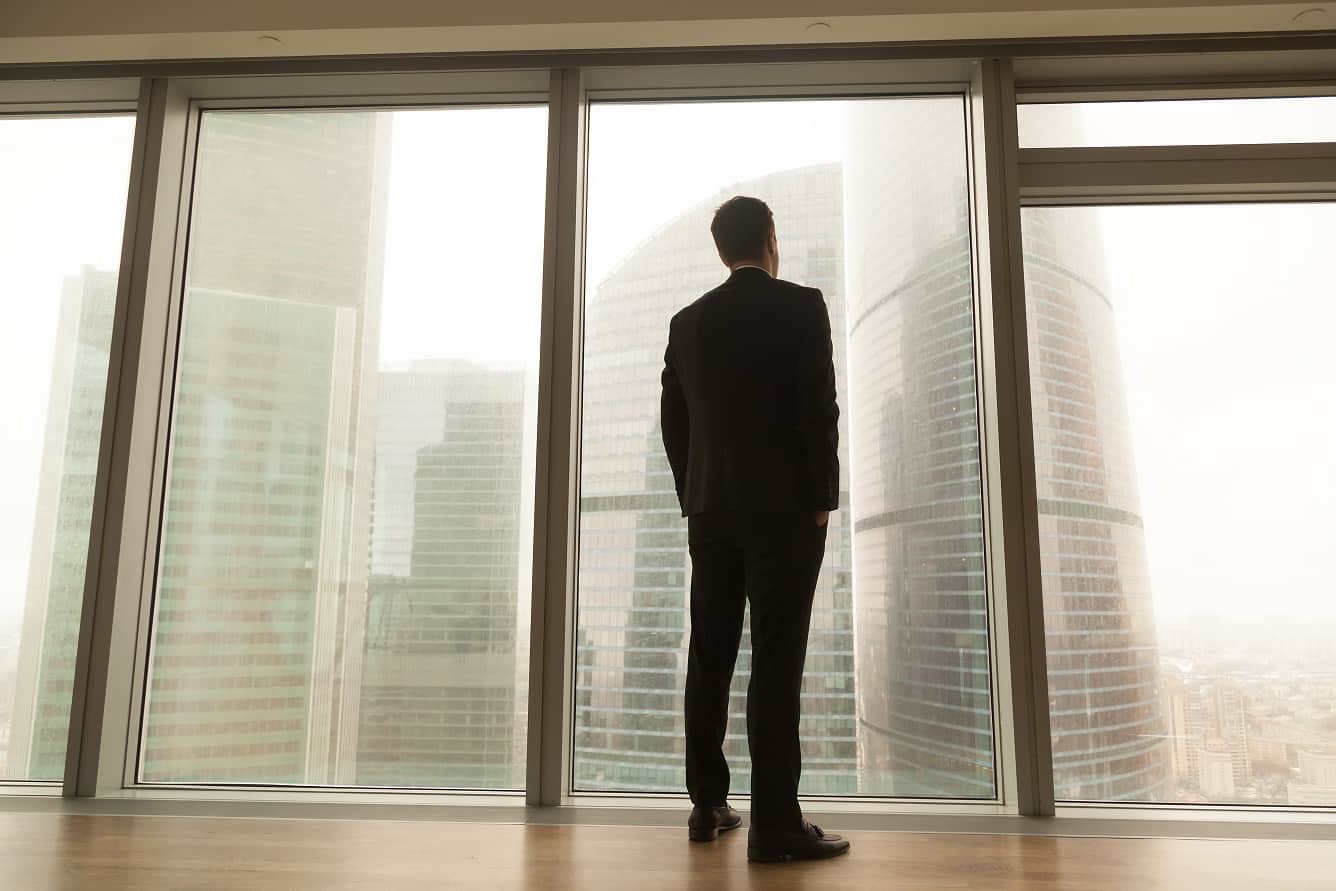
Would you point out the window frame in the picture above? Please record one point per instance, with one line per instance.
(388, 92)
(830, 81)
(167, 98)
(84, 97)
(1174, 175)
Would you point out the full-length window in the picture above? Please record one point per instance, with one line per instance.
(1181, 373)
(344, 568)
(63, 182)
(871, 205)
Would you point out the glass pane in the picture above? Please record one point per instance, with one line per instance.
(63, 182)
(345, 556)
(1181, 122)
(870, 202)
(1184, 422)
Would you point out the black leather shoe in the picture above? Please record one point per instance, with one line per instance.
(779, 845)
(706, 823)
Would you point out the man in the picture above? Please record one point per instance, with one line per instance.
(749, 425)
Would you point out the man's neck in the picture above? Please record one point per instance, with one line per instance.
(750, 266)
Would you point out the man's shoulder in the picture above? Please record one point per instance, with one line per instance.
(689, 310)
(802, 300)
(799, 290)
(797, 293)
(695, 306)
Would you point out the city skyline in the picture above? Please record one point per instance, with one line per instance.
(665, 195)
(1169, 478)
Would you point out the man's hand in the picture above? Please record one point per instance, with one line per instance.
(822, 517)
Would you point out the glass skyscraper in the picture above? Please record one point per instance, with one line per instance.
(1104, 677)
(263, 568)
(923, 680)
(39, 727)
(924, 688)
(444, 668)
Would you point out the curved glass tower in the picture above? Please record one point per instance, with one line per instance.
(923, 678)
(924, 689)
(1103, 663)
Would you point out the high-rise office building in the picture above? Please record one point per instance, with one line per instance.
(262, 577)
(1215, 771)
(1108, 722)
(1317, 777)
(924, 689)
(634, 569)
(40, 719)
(923, 679)
(1184, 725)
(439, 703)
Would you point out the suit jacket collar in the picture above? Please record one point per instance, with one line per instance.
(742, 273)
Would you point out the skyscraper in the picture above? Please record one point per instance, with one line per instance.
(923, 679)
(924, 689)
(634, 568)
(40, 723)
(1109, 733)
(439, 702)
(262, 577)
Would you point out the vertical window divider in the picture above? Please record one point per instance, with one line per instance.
(1009, 475)
(102, 734)
(556, 487)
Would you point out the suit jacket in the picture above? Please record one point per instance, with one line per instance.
(748, 409)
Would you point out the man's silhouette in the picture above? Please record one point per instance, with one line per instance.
(749, 417)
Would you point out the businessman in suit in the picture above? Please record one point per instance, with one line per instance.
(749, 424)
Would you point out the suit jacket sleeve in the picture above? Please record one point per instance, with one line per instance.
(674, 422)
(818, 411)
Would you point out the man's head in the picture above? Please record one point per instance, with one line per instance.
(744, 232)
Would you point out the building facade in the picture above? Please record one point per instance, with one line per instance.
(924, 682)
(445, 665)
(262, 579)
(39, 725)
(925, 702)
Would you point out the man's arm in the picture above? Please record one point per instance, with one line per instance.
(674, 422)
(818, 411)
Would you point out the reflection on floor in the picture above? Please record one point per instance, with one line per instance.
(51, 851)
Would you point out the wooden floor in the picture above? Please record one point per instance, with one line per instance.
(92, 853)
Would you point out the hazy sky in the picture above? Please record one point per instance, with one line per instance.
(464, 234)
(648, 163)
(1225, 316)
(1224, 313)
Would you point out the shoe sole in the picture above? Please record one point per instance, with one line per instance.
(709, 835)
(754, 856)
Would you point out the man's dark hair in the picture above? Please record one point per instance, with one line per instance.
(740, 228)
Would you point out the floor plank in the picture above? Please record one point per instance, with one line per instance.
(55, 851)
